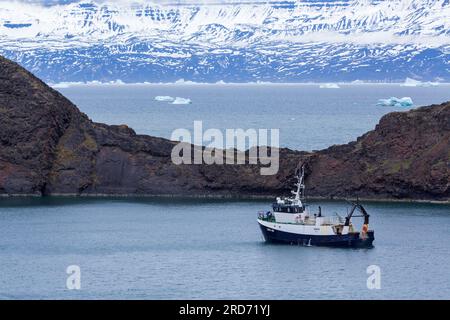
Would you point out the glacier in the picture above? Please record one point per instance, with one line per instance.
(230, 41)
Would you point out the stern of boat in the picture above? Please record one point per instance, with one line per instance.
(366, 239)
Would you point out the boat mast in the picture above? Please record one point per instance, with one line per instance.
(300, 192)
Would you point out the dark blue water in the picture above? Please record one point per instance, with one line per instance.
(172, 249)
(308, 117)
(169, 249)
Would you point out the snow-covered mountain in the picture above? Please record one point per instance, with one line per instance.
(232, 41)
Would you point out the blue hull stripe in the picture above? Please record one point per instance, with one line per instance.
(348, 240)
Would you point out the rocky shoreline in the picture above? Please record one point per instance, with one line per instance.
(48, 147)
(222, 197)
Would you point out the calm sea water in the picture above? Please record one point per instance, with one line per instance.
(308, 117)
(135, 248)
(174, 249)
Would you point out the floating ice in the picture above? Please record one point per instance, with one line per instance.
(411, 83)
(164, 98)
(179, 100)
(416, 83)
(430, 84)
(61, 85)
(396, 102)
(172, 100)
(329, 86)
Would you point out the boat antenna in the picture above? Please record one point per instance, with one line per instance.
(300, 192)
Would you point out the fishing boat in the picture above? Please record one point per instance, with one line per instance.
(291, 222)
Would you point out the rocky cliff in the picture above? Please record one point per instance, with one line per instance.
(48, 147)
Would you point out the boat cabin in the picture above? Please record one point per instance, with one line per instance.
(288, 206)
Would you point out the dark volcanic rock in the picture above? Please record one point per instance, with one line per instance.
(406, 156)
(47, 146)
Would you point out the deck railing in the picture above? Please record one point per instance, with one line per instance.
(266, 216)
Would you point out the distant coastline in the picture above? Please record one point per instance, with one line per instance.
(181, 82)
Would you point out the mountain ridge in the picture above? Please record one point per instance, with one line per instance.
(278, 41)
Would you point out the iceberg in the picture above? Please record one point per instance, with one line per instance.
(411, 83)
(396, 102)
(164, 98)
(179, 100)
(172, 100)
(430, 84)
(329, 86)
(416, 83)
(61, 85)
